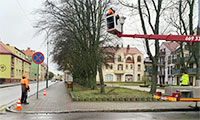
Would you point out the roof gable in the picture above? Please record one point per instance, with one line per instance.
(171, 45)
(3, 48)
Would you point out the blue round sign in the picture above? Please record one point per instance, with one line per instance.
(38, 58)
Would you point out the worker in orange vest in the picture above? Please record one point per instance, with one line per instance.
(25, 89)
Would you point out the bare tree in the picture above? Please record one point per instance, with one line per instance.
(150, 13)
(76, 29)
(184, 25)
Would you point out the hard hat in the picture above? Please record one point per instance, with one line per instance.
(24, 75)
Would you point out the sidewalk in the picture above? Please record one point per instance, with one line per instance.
(58, 101)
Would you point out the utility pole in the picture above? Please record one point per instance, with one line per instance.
(47, 70)
(198, 56)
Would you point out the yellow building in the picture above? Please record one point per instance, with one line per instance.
(124, 65)
(13, 64)
(42, 71)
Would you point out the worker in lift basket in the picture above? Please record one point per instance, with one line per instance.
(184, 79)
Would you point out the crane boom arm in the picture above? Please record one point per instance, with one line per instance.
(181, 38)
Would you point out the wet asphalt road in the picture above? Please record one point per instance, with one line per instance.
(11, 94)
(105, 116)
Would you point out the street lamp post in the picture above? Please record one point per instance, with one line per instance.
(47, 70)
(198, 56)
(47, 74)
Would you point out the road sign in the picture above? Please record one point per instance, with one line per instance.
(111, 12)
(38, 58)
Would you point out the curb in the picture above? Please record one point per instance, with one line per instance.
(101, 110)
(14, 85)
(9, 85)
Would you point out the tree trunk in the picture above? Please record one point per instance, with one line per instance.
(101, 79)
(154, 78)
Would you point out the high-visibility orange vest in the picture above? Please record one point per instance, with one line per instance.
(25, 81)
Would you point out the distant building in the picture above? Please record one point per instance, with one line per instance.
(148, 69)
(34, 67)
(68, 76)
(13, 63)
(165, 64)
(124, 64)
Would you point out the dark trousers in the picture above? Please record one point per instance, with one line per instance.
(24, 97)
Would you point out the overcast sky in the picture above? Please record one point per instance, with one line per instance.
(17, 21)
(17, 18)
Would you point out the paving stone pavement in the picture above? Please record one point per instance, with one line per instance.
(58, 100)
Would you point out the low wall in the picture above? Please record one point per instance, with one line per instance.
(173, 89)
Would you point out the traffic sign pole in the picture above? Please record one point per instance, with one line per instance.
(37, 82)
(38, 58)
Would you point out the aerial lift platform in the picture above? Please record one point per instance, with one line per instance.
(173, 93)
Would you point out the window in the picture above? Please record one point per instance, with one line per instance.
(108, 77)
(128, 78)
(111, 66)
(120, 67)
(16, 71)
(139, 67)
(119, 58)
(128, 58)
(171, 69)
(138, 76)
(106, 66)
(191, 65)
(168, 70)
(126, 66)
(109, 57)
(139, 59)
(131, 66)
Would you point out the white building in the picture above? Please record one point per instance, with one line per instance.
(125, 64)
(165, 62)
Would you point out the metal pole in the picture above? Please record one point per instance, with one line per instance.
(198, 56)
(37, 82)
(47, 63)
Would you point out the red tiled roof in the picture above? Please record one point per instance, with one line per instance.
(171, 45)
(126, 51)
(130, 51)
(28, 52)
(3, 48)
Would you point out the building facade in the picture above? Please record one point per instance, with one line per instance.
(124, 65)
(189, 61)
(148, 69)
(165, 64)
(13, 63)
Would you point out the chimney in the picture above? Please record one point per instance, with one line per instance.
(128, 46)
(8, 44)
(117, 46)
